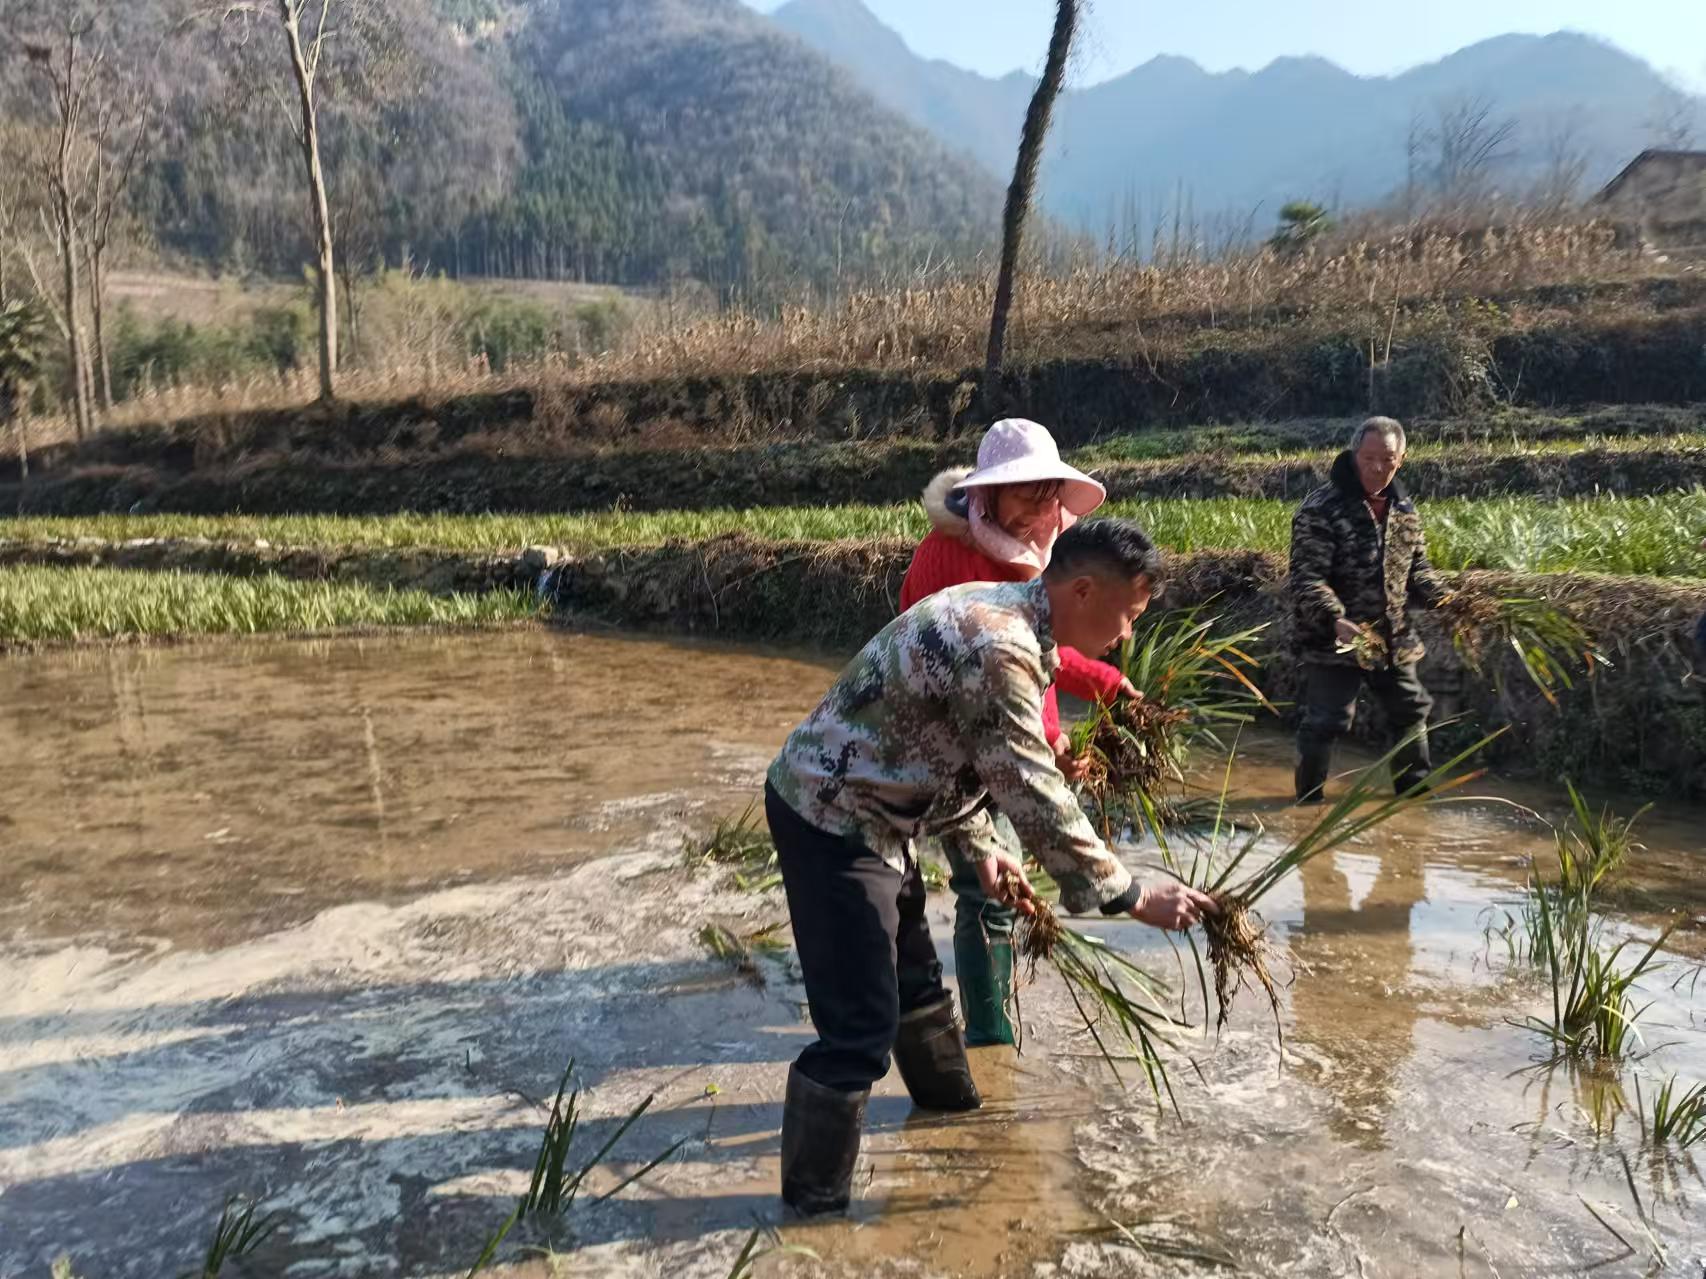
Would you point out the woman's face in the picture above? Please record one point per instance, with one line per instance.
(1027, 512)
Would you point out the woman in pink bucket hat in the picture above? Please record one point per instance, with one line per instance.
(998, 522)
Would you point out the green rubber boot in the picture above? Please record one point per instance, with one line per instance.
(983, 960)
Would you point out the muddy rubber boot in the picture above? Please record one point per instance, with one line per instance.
(1412, 781)
(983, 967)
(931, 1055)
(820, 1144)
(1310, 779)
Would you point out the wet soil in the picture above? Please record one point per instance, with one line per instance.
(325, 923)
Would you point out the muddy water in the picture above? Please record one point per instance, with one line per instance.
(324, 922)
(206, 794)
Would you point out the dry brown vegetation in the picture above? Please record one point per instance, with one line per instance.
(1373, 295)
(935, 323)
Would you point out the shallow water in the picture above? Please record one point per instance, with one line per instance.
(324, 922)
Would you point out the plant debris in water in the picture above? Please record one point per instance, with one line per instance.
(741, 950)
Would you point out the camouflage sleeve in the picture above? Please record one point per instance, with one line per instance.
(999, 712)
(1427, 587)
(1312, 563)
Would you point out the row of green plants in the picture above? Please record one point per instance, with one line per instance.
(1630, 536)
(67, 605)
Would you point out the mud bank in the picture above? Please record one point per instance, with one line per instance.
(1642, 722)
(801, 474)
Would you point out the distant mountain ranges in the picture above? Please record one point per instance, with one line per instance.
(651, 141)
(1241, 143)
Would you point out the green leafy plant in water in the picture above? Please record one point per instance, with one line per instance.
(1592, 1012)
(1677, 1119)
(763, 1242)
(555, 1184)
(1593, 845)
(238, 1234)
(742, 843)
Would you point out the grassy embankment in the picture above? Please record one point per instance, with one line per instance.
(1642, 536)
(49, 605)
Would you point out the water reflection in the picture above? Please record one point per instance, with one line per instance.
(1350, 1001)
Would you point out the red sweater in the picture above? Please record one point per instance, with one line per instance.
(942, 561)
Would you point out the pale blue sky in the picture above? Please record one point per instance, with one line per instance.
(996, 36)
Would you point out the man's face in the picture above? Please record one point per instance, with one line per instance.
(1378, 458)
(1102, 611)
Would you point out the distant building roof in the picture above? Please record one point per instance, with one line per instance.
(1680, 159)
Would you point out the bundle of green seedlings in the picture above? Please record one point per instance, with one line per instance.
(1111, 992)
(1194, 683)
(1228, 867)
(1547, 641)
(555, 1184)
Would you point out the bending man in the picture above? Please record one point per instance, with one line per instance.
(938, 717)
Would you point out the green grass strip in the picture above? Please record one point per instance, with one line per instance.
(1657, 536)
(56, 605)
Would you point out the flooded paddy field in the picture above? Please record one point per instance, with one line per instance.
(323, 923)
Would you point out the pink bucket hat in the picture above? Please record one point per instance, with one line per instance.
(1016, 451)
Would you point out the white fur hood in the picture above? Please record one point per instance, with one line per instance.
(936, 495)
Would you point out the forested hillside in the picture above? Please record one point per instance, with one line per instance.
(630, 141)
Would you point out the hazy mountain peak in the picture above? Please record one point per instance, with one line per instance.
(1301, 127)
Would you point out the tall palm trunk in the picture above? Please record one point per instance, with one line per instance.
(1024, 183)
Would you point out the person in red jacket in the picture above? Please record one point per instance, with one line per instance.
(998, 523)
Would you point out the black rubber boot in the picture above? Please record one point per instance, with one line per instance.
(1310, 779)
(820, 1144)
(930, 1052)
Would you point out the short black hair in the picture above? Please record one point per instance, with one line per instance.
(1117, 547)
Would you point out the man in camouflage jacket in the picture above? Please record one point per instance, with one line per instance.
(1357, 564)
(935, 721)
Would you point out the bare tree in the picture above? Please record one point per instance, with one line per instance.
(1415, 158)
(1024, 183)
(1671, 119)
(1563, 163)
(123, 118)
(65, 69)
(305, 27)
(1468, 142)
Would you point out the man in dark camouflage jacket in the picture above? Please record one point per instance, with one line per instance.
(938, 718)
(1357, 564)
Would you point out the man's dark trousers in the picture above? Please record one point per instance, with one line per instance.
(1329, 708)
(864, 946)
